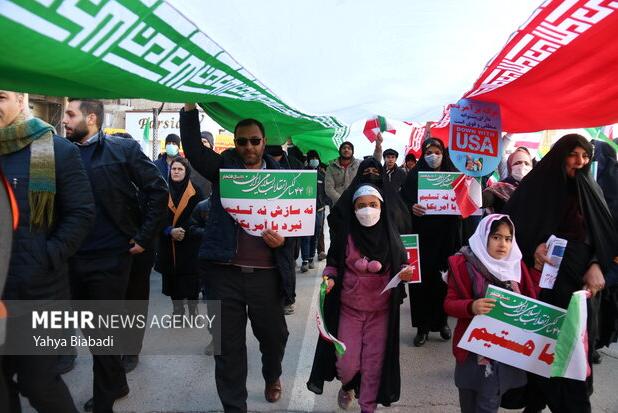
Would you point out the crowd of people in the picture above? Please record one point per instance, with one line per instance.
(95, 216)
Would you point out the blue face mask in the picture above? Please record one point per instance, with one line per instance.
(314, 163)
(171, 149)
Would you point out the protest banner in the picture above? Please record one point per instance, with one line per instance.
(475, 141)
(437, 195)
(519, 331)
(410, 243)
(281, 200)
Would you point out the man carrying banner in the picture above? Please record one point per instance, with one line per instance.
(244, 272)
(56, 211)
(118, 169)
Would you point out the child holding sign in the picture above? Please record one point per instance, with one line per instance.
(364, 255)
(493, 257)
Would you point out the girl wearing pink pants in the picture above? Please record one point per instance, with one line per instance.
(365, 253)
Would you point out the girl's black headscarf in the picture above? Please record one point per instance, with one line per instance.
(409, 190)
(179, 188)
(373, 242)
(380, 242)
(445, 166)
(537, 206)
(398, 211)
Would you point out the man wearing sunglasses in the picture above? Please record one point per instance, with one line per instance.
(244, 272)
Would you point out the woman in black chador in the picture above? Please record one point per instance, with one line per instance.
(439, 237)
(559, 197)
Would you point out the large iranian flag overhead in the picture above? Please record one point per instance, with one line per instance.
(309, 69)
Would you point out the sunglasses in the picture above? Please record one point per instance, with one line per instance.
(244, 141)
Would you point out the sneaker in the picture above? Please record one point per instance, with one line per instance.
(304, 267)
(321, 256)
(311, 265)
(289, 309)
(345, 399)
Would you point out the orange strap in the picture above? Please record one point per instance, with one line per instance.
(182, 205)
(12, 201)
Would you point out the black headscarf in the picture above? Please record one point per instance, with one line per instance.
(537, 206)
(445, 166)
(177, 189)
(398, 211)
(372, 242)
(409, 190)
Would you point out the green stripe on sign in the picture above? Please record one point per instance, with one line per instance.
(436, 180)
(409, 241)
(267, 184)
(528, 314)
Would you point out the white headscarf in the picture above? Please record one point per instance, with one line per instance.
(506, 269)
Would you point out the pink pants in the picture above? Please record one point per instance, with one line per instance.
(364, 334)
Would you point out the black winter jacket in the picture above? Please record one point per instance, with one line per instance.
(38, 268)
(119, 171)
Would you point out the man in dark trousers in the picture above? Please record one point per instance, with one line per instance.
(117, 169)
(56, 212)
(242, 271)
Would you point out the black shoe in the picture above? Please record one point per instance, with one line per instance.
(445, 333)
(596, 357)
(65, 363)
(420, 339)
(130, 363)
(89, 405)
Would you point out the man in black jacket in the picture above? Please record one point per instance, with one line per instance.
(100, 269)
(395, 176)
(56, 212)
(244, 272)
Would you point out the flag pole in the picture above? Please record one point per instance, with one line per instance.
(155, 133)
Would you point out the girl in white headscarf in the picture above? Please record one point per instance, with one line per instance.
(493, 257)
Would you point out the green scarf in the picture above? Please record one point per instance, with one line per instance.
(42, 186)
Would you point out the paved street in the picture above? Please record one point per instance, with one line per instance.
(186, 383)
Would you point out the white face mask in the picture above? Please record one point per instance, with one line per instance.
(519, 171)
(434, 160)
(314, 163)
(368, 216)
(171, 149)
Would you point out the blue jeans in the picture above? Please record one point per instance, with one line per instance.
(308, 245)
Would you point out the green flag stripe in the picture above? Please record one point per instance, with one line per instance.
(568, 338)
(151, 51)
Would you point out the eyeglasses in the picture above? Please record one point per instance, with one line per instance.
(244, 141)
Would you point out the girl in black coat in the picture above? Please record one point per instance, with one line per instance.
(179, 244)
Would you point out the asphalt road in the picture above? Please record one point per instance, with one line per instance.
(185, 383)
